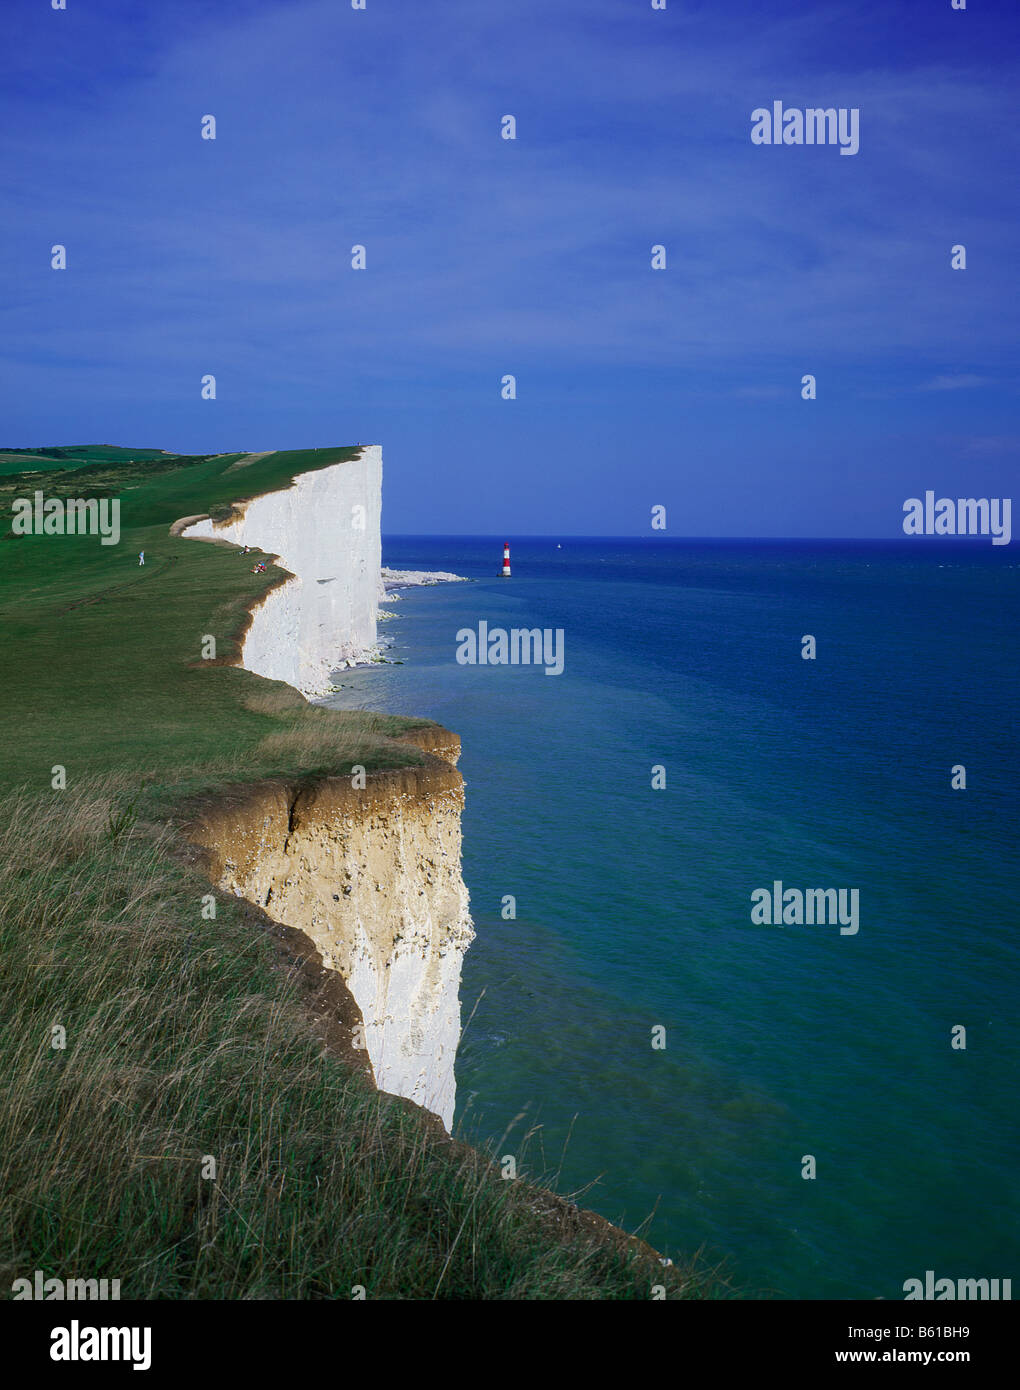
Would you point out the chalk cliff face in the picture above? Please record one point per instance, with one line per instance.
(371, 875)
(325, 530)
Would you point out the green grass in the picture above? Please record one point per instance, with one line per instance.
(16, 464)
(70, 456)
(106, 453)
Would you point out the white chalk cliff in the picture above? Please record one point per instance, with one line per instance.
(372, 876)
(325, 530)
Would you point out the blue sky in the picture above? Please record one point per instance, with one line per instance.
(530, 257)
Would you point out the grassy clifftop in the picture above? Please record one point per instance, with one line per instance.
(105, 664)
(192, 1032)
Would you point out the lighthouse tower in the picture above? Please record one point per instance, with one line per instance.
(505, 571)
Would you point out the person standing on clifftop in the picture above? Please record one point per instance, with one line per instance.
(141, 557)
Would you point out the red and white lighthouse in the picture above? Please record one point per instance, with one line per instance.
(505, 571)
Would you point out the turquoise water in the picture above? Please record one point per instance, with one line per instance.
(633, 904)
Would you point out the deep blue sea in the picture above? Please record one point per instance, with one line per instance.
(633, 904)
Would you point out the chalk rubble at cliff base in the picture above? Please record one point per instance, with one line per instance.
(411, 579)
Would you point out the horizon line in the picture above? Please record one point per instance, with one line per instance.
(586, 536)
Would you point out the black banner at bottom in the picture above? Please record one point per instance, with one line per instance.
(189, 1339)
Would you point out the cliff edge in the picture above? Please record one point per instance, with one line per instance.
(366, 865)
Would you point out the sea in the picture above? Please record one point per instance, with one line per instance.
(824, 1113)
